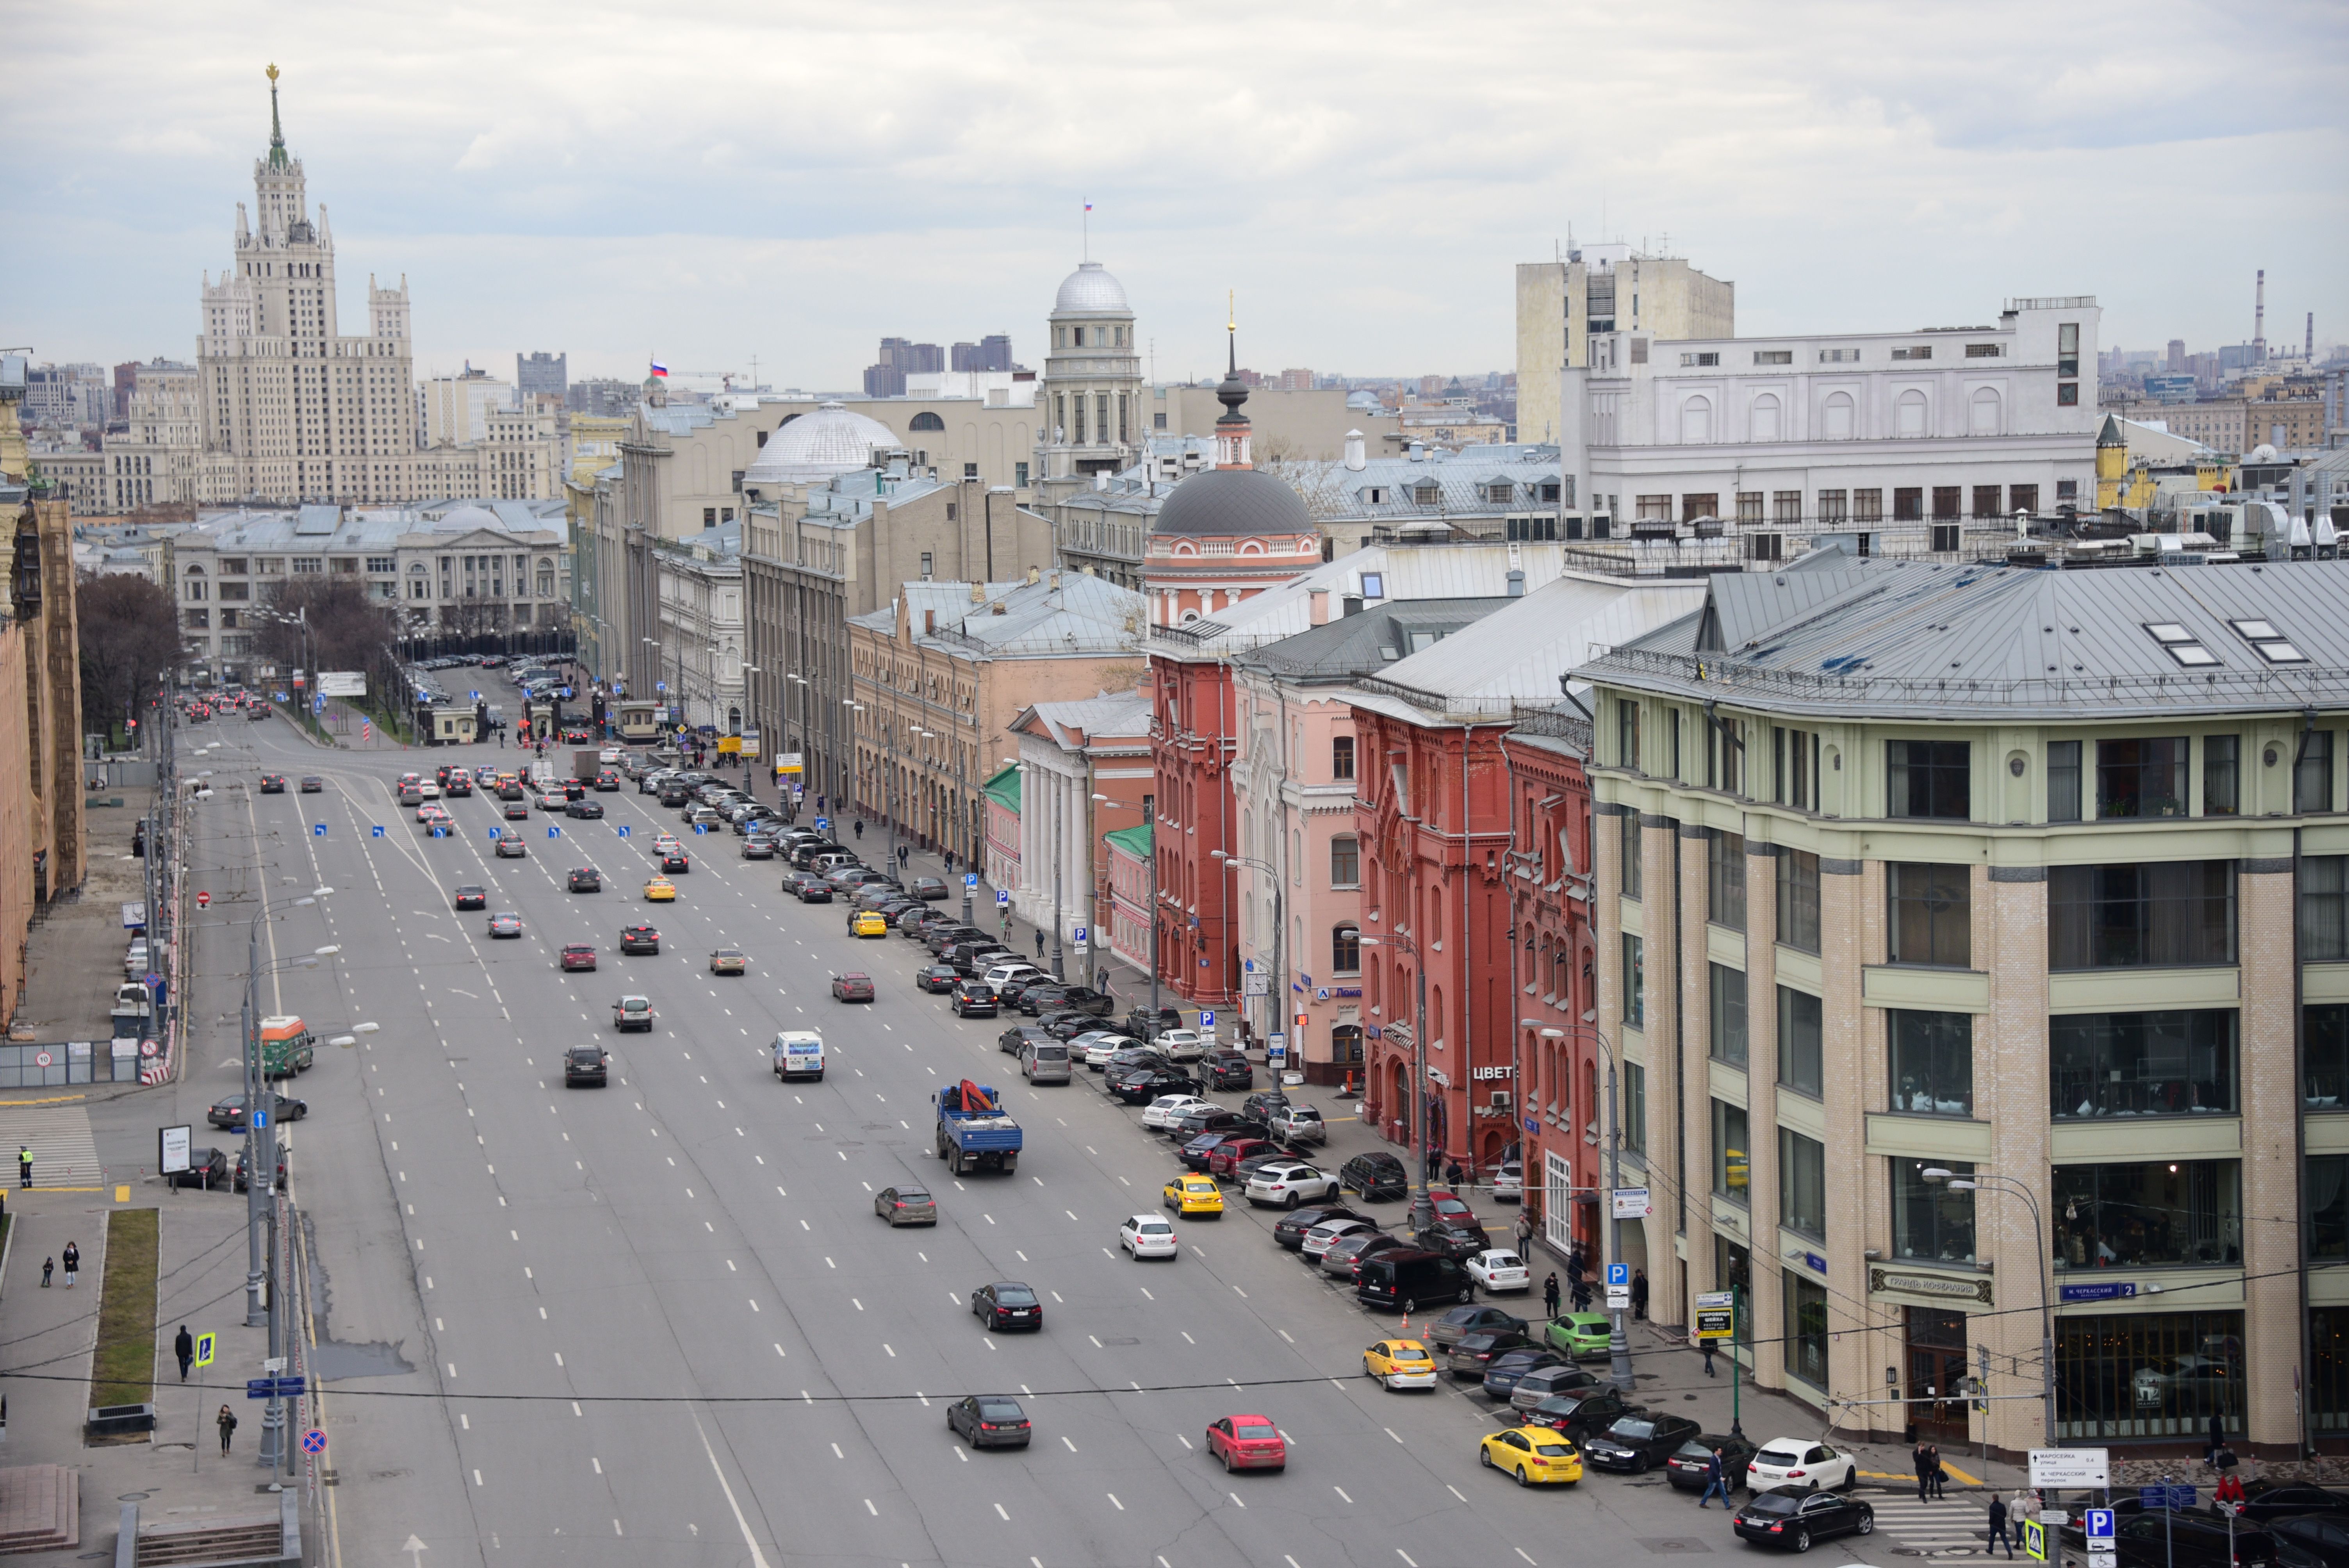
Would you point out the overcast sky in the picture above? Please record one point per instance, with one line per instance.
(720, 180)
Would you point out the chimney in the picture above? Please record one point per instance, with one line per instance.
(1418, 451)
(1100, 480)
(1358, 458)
(1319, 601)
(999, 607)
(1517, 583)
(2260, 320)
(978, 592)
(1351, 605)
(1032, 576)
(1056, 582)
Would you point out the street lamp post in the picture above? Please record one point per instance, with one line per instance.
(1280, 991)
(848, 754)
(1150, 818)
(2015, 1187)
(1418, 1048)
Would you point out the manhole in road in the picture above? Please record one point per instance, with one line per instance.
(133, 1497)
(1672, 1544)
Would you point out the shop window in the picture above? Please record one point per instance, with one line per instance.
(1933, 1059)
(2148, 1375)
(1929, 1222)
(2142, 1064)
(2165, 914)
(1931, 910)
(1731, 1157)
(2325, 1055)
(2151, 1213)
(1802, 1183)
(1724, 867)
(1800, 1058)
(1807, 1330)
(1798, 899)
(1929, 778)
(1729, 1034)
(2141, 778)
(2328, 1383)
(1635, 984)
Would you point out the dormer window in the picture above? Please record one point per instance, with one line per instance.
(2268, 642)
(2180, 646)
(1425, 491)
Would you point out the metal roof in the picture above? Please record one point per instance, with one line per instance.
(1113, 716)
(1382, 635)
(1060, 613)
(1914, 640)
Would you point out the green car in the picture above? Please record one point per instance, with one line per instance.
(1580, 1333)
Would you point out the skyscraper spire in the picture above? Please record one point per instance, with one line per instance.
(277, 158)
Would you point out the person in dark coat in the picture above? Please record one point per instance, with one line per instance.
(1998, 1534)
(226, 1422)
(1640, 1294)
(1941, 1476)
(1716, 1481)
(71, 1261)
(184, 1348)
(2218, 1436)
(1582, 1295)
(1923, 1456)
(1550, 1293)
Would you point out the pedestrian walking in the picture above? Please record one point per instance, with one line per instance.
(226, 1422)
(1640, 1294)
(860, 829)
(1452, 1175)
(1998, 1534)
(1550, 1293)
(48, 1266)
(1940, 1478)
(950, 862)
(184, 1348)
(1582, 1295)
(1039, 944)
(71, 1259)
(24, 1165)
(1707, 1346)
(1574, 1265)
(1923, 1458)
(1716, 1482)
(903, 854)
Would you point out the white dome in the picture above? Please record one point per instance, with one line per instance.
(466, 518)
(1088, 288)
(813, 447)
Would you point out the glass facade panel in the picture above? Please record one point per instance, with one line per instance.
(1929, 1222)
(2222, 775)
(2324, 909)
(2142, 1064)
(2328, 1208)
(2170, 913)
(1724, 876)
(2141, 778)
(1799, 1064)
(1731, 1150)
(1798, 899)
(1807, 1330)
(2327, 1057)
(1729, 1034)
(1929, 778)
(1932, 1057)
(1635, 984)
(1802, 1183)
(1635, 1107)
(2153, 1214)
(1932, 914)
(1632, 867)
(2148, 1374)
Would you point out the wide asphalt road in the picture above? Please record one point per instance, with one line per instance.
(659, 1321)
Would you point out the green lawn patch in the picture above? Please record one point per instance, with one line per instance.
(122, 1369)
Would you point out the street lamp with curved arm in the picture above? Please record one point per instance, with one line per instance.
(2015, 1186)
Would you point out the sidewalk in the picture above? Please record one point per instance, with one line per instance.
(51, 1333)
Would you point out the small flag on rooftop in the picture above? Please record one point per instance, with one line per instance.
(659, 368)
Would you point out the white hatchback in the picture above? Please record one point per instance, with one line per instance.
(1148, 1236)
(1804, 1462)
(1167, 1110)
(1289, 1184)
(1499, 1269)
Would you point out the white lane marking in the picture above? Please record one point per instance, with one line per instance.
(1000, 1514)
(1342, 1497)
(1114, 1504)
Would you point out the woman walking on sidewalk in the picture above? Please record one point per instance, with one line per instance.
(226, 1422)
(72, 1260)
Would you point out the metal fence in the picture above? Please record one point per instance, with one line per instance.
(69, 1061)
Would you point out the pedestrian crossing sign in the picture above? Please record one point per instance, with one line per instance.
(205, 1344)
(2034, 1541)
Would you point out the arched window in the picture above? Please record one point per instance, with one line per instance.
(1835, 417)
(926, 420)
(1696, 421)
(1908, 413)
(1346, 950)
(1766, 417)
(1984, 415)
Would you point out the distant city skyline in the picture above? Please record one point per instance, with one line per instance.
(1365, 189)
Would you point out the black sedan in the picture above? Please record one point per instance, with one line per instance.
(1472, 1354)
(1638, 1442)
(2267, 1500)
(1452, 1241)
(584, 1066)
(207, 1168)
(988, 1421)
(1006, 1303)
(311, 784)
(472, 898)
(1578, 1415)
(936, 978)
(515, 809)
(1065, 1027)
(639, 938)
(228, 1111)
(591, 809)
(1784, 1516)
(272, 783)
(1691, 1468)
(1143, 1088)
(808, 887)
(587, 879)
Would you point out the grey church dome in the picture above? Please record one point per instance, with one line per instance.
(814, 448)
(1230, 503)
(1091, 288)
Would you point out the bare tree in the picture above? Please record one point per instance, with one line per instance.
(129, 640)
(347, 630)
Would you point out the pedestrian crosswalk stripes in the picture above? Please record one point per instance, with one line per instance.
(65, 1153)
(1951, 1529)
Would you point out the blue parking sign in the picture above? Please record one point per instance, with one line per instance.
(1002, 897)
(376, 832)
(970, 879)
(2099, 1525)
(1206, 1022)
(1619, 1276)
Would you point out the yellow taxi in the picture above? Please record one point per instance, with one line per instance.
(660, 890)
(1534, 1456)
(868, 925)
(1194, 1195)
(1399, 1364)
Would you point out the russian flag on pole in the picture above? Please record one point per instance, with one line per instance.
(659, 368)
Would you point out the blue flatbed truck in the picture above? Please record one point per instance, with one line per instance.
(974, 1131)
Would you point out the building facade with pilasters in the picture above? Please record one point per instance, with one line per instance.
(1977, 947)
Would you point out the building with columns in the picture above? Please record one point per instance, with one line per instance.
(1088, 404)
(1084, 771)
(1977, 947)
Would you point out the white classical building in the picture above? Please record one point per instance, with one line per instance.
(1793, 435)
(699, 652)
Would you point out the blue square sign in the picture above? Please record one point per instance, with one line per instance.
(554, 833)
(318, 832)
(1618, 1275)
(623, 830)
(2100, 1524)
(376, 832)
(970, 879)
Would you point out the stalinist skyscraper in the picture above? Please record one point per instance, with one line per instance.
(294, 409)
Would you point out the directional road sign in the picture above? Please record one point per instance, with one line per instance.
(623, 830)
(318, 831)
(376, 832)
(553, 831)
(275, 1387)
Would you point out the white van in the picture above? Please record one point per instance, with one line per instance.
(799, 1054)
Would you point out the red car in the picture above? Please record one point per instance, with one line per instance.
(578, 955)
(1248, 1442)
(1231, 1151)
(852, 987)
